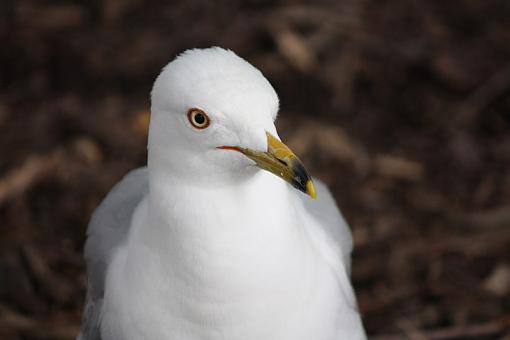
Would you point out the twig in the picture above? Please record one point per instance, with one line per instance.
(53, 284)
(37, 167)
(395, 167)
(22, 178)
(483, 96)
(294, 47)
(493, 218)
(458, 332)
(11, 321)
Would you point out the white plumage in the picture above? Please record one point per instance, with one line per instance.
(204, 245)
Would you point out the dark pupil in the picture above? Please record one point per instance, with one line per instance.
(199, 119)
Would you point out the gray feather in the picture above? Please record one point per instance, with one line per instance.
(326, 212)
(108, 229)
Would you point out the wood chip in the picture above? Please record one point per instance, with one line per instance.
(294, 49)
(400, 168)
(498, 282)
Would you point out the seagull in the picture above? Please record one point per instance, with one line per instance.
(211, 240)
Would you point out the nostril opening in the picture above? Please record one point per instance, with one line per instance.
(283, 162)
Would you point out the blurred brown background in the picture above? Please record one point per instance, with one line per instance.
(403, 107)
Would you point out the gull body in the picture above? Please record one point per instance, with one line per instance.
(203, 244)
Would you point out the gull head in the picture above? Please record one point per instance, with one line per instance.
(212, 122)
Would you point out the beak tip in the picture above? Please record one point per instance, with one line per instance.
(310, 189)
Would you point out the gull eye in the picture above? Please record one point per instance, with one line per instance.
(198, 118)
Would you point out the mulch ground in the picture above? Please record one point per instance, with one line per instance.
(402, 107)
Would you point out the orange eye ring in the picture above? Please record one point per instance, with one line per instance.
(198, 118)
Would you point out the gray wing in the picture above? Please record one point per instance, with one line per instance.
(325, 210)
(107, 229)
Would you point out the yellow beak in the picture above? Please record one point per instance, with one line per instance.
(281, 161)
